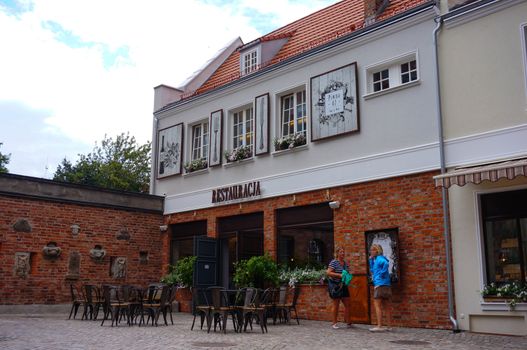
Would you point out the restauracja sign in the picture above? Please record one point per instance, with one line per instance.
(225, 194)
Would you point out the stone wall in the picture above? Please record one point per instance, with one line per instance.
(87, 241)
(410, 203)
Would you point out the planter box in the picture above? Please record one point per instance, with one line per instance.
(184, 298)
(496, 299)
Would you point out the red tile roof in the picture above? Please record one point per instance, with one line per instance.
(307, 33)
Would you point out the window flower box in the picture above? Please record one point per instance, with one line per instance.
(289, 141)
(197, 164)
(511, 293)
(238, 154)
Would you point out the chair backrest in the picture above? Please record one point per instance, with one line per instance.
(267, 296)
(89, 291)
(215, 294)
(164, 295)
(250, 293)
(282, 297)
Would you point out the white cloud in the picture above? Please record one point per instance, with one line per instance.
(166, 41)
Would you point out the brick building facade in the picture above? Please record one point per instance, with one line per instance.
(410, 204)
(36, 213)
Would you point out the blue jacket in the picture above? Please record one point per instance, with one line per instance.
(379, 271)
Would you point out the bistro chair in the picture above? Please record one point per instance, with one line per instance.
(76, 301)
(253, 310)
(156, 303)
(114, 305)
(200, 306)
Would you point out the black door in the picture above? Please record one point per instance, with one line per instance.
(206, 266)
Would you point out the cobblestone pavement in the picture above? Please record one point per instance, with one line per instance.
(19, 332)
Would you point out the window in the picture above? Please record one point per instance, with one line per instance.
(293, 114)
(249, 62)
(408, 72)
(381, 80)
(392, 74)
(200, 141)
(242, 128)
(504, 218)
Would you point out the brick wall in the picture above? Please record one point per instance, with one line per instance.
(409, 203)
(51, 221)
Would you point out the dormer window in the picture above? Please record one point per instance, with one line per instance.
(250, 61)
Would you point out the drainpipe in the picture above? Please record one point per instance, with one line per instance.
(444, 193)
(153, 160)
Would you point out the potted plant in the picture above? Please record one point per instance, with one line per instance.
(302, 275)
(258, 271)
(289, 141)
(196, 164)
(181, 274)
(237, 154)
(512, 293)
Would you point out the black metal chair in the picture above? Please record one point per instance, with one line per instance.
(76, 300)
(200, 306)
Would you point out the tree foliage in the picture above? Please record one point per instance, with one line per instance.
(4, 160)
(120, 164)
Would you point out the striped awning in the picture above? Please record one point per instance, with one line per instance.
(492, 172)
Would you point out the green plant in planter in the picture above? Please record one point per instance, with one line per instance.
(181, 273)
(514, 292)
(302, 275)
(258, 271)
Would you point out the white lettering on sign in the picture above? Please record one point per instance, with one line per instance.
(334, 102)
(206, 267)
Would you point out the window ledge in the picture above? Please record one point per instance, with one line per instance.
(502, 306)
(290, 150)
(196, 172)
(392, 89)
(239, 162)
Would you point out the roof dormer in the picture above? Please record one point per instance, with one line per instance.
(260, 52)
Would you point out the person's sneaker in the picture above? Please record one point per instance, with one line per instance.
(387, 328)
(376, 329)
(335, 326)
(349, 325)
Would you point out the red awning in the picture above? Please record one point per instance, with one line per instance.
(492, 172)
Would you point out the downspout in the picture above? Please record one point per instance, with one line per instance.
(444, 193)
(153, 168)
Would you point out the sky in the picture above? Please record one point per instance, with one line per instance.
(75, 71)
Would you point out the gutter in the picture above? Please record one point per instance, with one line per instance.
(444, 192)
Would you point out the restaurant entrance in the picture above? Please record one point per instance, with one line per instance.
(240, 238)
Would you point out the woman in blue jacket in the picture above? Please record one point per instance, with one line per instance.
(379, 269)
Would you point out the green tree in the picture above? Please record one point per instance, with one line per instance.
(4, 160)
(120, 164)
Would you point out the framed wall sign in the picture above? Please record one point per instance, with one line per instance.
(334, 103)
(261, 120)
(170, 150)
(389, 241)
(215, 132)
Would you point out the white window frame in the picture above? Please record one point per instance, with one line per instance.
(295, 120)
(395, 79)
(480, 239)
(247, 114)
(254, 61)
(204, 137)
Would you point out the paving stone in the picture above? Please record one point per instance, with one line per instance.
(52, 331)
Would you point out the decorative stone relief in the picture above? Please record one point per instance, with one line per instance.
(123, 235)
(97, 253)
(74, 265)
(22, 264)
(143, 258)
(75, 229)
(22, 225)
(119, 267)
(51, 250)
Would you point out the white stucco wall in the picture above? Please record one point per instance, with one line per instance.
(467, 255)
(483, 72)
(484, 104)
(398, 130)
